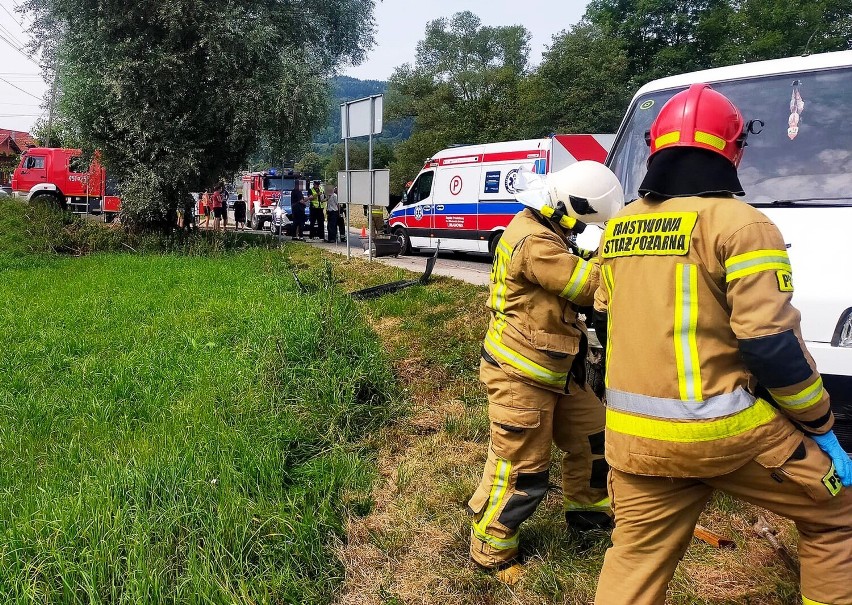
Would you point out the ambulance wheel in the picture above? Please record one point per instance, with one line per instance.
(405, 242)
(492, 243)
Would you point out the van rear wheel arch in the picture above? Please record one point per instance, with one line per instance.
(492, 242)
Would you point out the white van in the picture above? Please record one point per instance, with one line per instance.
(798, 171)
(465, 196)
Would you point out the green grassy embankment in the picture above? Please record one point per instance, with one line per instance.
(178, 429)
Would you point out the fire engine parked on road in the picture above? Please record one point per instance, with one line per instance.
(465, 196)
(62, 178)
(263, 191)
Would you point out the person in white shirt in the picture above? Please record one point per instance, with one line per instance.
(334, 214)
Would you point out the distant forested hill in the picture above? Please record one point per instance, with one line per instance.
(344, 88)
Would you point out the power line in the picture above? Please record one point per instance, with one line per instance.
(11, 15)
(14, 38)
(19, 115)
(18, 49)
(21, 89)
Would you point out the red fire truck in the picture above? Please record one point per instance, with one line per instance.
(263, 191)
(61, 177)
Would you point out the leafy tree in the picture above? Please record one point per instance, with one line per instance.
(769, 29)
(663, 37)
(359, 157)
(464, 87)
(176, 93)
(580, 85)
(312, 164)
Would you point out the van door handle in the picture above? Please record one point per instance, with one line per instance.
(441, 207)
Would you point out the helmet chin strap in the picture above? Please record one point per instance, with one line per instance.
(560, 216)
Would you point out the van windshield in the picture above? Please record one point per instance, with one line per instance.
(812, 165)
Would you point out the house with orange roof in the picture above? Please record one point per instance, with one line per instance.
(12, 144)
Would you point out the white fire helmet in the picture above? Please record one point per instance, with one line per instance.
(585, 192)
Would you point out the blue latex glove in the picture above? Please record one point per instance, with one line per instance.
(842, 464)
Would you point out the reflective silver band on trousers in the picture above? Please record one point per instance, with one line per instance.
(675, 409)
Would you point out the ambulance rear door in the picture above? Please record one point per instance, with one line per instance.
(502, 162)
(455, 201)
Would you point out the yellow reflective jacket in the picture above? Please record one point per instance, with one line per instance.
(705, 361)
(316, 198)
(537, 285)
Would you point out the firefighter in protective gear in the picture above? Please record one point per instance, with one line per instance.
(708, 383)
(532, 364)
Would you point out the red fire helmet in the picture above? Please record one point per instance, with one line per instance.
(700, 117)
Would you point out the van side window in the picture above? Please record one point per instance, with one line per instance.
(35, 162)
(422, 189)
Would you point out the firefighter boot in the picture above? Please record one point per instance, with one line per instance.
(510, 575)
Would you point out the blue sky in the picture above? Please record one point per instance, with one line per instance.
(401, 24)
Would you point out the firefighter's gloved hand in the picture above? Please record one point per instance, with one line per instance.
(842, 464)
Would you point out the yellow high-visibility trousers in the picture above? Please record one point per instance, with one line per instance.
(525, 421)
(655, 518)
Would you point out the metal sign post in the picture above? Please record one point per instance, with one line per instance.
(361, 118)
(372, 185)
(348, 197)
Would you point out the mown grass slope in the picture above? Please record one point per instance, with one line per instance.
(179, 429)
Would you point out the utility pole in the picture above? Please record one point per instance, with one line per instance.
(52, 101)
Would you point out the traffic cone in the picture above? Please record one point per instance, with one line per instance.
(363, 232)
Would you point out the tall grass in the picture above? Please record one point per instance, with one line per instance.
(178, 429)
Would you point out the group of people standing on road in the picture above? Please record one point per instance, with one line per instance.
(214, 201)
(326, 213)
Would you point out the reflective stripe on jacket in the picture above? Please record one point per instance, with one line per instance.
(703, 345)
(537, 285)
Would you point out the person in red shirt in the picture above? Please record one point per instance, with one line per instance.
(217, 203)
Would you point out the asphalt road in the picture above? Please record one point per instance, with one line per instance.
(472, 268)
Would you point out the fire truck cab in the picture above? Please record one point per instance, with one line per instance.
(63, 178)
(264, 191)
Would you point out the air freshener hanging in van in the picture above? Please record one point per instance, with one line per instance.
(797, 106)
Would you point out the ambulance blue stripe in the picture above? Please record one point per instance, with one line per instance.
(506, 207)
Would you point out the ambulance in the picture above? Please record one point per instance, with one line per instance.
(797, 171)
(465, 196)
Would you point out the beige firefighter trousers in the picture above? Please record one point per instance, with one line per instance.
(525, 421)
(655, 518)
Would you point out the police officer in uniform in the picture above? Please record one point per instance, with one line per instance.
(709, 385)
(532, 364)
(317, 200)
